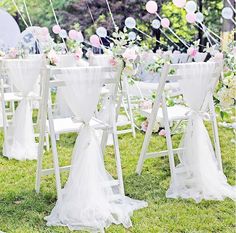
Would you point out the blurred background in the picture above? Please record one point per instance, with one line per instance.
(87, 15)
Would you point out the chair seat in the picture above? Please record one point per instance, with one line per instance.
(175, 113)
(68, 125)
(12, 96)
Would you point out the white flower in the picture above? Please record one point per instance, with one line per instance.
(226, 97)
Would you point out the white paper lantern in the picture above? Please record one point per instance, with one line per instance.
(132, 35)
(101, 32)
(191, 6)
(130, 23)
(199, 17)
(63, 34)
(227, 13)
(156, 23)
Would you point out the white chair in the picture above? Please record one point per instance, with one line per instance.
(90, 201)
(57, 126)
(164, 115)
(123, 99)
(19, 135)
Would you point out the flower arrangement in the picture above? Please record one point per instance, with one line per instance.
(123, 48)
(225, 97)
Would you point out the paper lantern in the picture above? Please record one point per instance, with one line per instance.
(151, 7)
(132, 36)
(56, 29)
(156, 23)
(191, 6)
(95, 41)
(130, 23)
(191, 17)
(165, 23)
(179, 3)
(80, 37)
(227, 13)
(73, 34)
(199, 17)
(63, 34)
(101, 32)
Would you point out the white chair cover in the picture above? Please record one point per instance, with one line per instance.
(88, 199)
(62, 109)
(20, 139)
(198, 175)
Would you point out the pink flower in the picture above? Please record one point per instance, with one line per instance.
(78, 53)
(192, 52)
(52, 56)
(144, 126)
(13, 53)
(162, 133)
(219, 56)
(129, 54)
(113, 61)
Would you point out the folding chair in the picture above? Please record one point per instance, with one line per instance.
(160, 100)
(65, 125)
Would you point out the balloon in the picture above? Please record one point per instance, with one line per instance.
(191, 6)
(132, 35)
(80, 37)
(101, 32)
(227, 13)
(95, 41)
(56, 29)
(63, 34)
(199, 17)
(165, 23)
(179, 3)
(151, 7)
(191, 17)
(156, 23)
(73, 34)
(130, 23)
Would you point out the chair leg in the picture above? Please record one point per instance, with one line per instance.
(215, 134)
(56, 166)
(168, 138)
(117, 155)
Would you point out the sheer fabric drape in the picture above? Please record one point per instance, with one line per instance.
(198, 175)
(66, 60)
(88, 200)
(20, 139)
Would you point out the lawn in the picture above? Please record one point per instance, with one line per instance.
(23, 211)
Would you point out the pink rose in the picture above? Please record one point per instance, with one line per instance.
(113, 62)
(52, 56)
(192, 52)
(129, 54)
(162, 133)
(13, 53)
(219, 56)
(78, 53)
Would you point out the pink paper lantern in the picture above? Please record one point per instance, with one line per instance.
(151, 7)
(56, 29)
(165, 23)
(95, 41)
(191, 17)
(179, 3)
(73, 34)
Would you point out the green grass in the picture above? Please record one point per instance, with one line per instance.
(23, 211)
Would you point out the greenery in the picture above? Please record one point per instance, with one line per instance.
(23, 211)
(74, 13)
